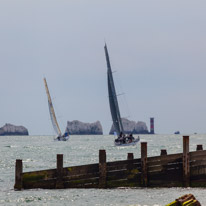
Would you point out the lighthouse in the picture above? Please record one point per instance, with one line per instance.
(152, 125)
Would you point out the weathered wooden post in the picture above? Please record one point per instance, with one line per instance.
(144, 163)
(186, 162)
(102, 169)
(199, 147)
(163, 152)
(59, 182)
(18, 175)
(130, 157)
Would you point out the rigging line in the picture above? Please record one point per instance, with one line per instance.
(124, 102)
(127, 105)
(126, 117)
(58, 113)
(51, 128)
(59, 116)
(120, 94)
(117, 95)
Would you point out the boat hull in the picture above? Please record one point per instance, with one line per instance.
(62, 138)
(134, 142)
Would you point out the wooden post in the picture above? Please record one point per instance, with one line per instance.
(59, 182)
(130, 156)
(199, 147)
(144, 163)
(186, 162)
(102, 169)
(18, 175)
(163, 152)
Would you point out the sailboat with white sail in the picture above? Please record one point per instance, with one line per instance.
(123, 139)
(55, 124)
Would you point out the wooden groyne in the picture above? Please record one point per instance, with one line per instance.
(167, 170)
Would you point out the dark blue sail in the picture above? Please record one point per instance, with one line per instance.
(114, 107)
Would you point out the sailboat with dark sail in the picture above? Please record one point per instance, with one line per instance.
(123, 139)
(55, 124)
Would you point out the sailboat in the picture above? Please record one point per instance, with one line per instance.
(55, 124)
(123, 139)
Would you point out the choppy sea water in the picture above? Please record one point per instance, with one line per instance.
(39, 152)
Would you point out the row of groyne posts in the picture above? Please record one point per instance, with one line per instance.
(167, 170)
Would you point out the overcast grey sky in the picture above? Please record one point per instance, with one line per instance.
(157, 47)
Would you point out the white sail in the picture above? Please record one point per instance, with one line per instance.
(51, 111)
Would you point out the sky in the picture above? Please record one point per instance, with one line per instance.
(157, 50)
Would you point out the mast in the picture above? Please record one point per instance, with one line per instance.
(51, 110)
(114, 107)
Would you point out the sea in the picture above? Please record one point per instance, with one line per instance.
(39, 152)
